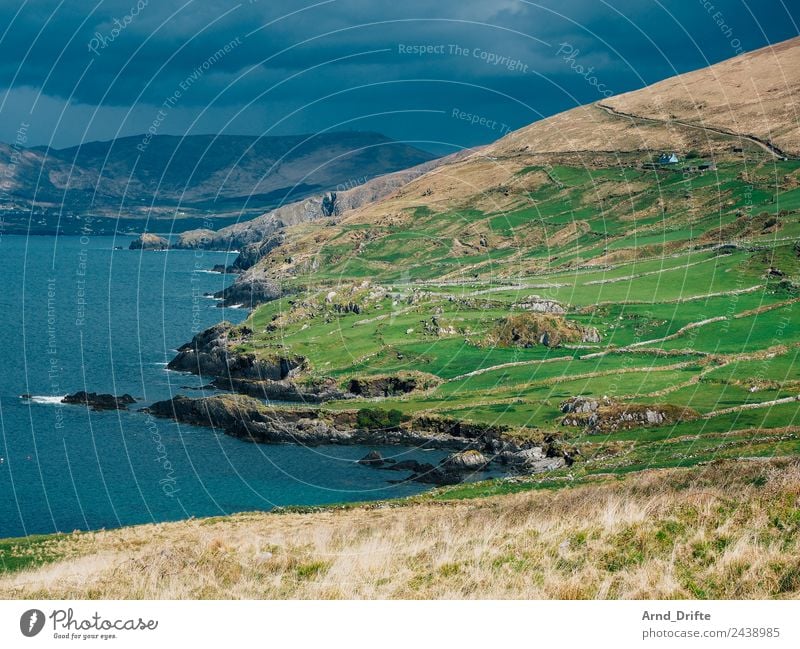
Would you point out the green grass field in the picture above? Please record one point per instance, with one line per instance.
(690, 280)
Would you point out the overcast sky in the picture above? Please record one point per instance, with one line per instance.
(415, 70)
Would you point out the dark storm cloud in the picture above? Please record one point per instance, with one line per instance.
(86, 70)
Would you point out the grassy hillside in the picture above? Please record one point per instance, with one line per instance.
(691, 280)
(564, 265)
(728, 530)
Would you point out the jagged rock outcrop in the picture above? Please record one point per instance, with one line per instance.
(222, 268)
(605, 415)
(388, 386)
(247, 418)
(328, 204)
(258, 237)
(534, 460)
(469, 460)
(373, 458)
(583, 405)
(252, 253)
(209, 354)
(240, 235)
(311, 391)
(96, 401)
(539, 305)
(451, 470)
(591, 335)
(250, 289)
(194, 239)
(538, 328)
(486, 437)
(476, 445)
(148, 241)
(212, 353)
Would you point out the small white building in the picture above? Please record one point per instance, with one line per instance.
(668, 159)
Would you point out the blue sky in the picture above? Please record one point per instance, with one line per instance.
(75, 71)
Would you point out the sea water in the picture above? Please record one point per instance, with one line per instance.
(86, 313)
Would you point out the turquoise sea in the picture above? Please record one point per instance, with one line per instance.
(78, 314)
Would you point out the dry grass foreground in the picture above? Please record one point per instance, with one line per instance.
(727, 530)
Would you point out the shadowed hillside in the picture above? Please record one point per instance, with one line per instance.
(199, 176)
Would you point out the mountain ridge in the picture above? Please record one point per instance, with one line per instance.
(205, 176)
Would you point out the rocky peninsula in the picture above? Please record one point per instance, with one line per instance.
(474, 446)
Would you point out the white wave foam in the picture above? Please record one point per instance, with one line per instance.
(46, 399)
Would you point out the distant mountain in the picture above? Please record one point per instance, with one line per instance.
(193, 177)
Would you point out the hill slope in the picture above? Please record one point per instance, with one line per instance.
(755, 94)
(563, 284)
(724, 532)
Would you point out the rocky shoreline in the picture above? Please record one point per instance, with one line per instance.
(277, 377)
(256, 238)
(251, 380)
(93, 400)
(249, 419)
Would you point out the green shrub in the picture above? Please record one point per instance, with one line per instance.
(378, 418)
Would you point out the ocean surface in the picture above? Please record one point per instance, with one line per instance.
(78, 314)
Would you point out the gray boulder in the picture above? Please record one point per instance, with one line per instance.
(470, 460)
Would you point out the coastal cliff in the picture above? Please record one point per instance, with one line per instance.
(212, 353)
(475, 446)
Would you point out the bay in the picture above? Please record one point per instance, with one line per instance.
(78, 314)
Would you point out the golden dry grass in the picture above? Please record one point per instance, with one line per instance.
(729, 530)
(754, 94)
